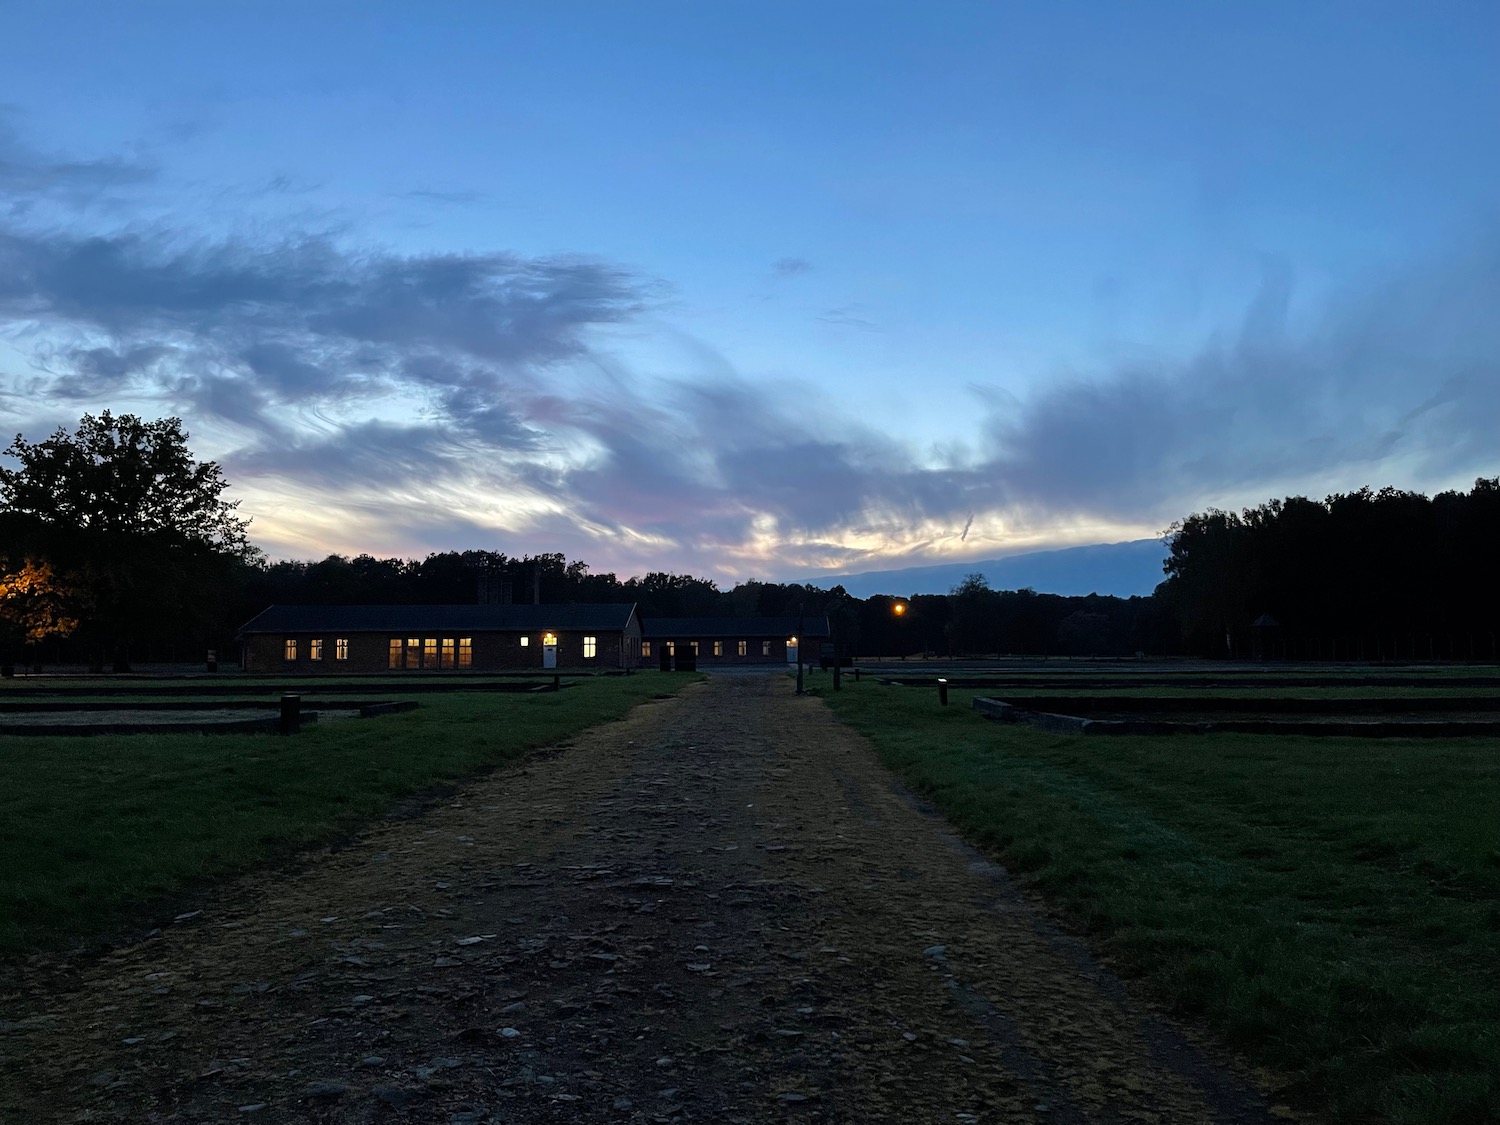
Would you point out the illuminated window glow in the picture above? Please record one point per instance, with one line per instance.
(525, 642)
(289, 651)
(341, 648)
(315, 649)
(414, 652)
(645, 648)
(394, 659)
(695, 647)
(765, 648)
(465, 652)
(549, 638)
(741, 648)
(718, 648)
(446, 659)
(590, 647)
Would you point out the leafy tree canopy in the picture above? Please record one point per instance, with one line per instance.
(121, 475)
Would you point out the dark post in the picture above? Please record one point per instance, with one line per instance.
(943, 691)
(291, 713)
(801, 640)
(556, 683)
(213, 660)
(856, 675)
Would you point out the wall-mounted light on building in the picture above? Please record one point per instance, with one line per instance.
(549, 638)
(791, 642)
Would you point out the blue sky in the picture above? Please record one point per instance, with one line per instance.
(759, 289)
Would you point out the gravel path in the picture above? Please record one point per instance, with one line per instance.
(719, 909)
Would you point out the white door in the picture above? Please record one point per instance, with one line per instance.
(549, 655)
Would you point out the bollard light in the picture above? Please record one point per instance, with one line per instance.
(942, 691)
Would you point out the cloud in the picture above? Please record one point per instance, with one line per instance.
(399, 397)
(28, 175)
(791, 267)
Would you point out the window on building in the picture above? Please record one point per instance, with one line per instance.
(414, 652)
(465, 652)
(671, 648)
(525, 642)
(645, 648)
(741, 648)
(430, 652)
(718, 648)
(394, 659)
(695, 647)
(446, 658)
(590, 647)
(315, 649)
(289, 651)
(341, 648)
(765, 648)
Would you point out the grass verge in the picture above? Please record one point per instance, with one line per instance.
(93, 827)
(1331, 905)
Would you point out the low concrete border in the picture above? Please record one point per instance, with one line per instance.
(1001, 711)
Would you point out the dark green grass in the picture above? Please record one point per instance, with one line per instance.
(1331, 905)
(93, 830)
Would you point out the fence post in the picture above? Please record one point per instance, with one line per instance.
(291, 713)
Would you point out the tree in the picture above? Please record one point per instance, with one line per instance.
(34, 605)
(122, 512)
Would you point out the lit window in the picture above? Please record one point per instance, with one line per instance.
(645, 648)
(525, 642)
(430, 652)
(341, 649)
(290, 652)
(447, 657)
(414, 652)
(765, 648)
(695, 647)
(465, 652)
(742, 648)
(718, 648)
(549, 638)
(671, 648)
(394, 660)
(315, 649)
(590, 647)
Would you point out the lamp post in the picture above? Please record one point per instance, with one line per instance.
(799, 638)
(898, 608)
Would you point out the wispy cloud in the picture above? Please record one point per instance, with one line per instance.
(426, 395)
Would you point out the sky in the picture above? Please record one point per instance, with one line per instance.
(758, 290)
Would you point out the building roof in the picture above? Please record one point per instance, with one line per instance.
(732, 628)
(414, 619)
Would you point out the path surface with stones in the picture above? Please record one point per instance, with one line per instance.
(720, 909)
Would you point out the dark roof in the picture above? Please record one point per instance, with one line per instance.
(730, 628)
(413, 619)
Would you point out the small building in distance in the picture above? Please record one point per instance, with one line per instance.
(350, 639)
(728, 641)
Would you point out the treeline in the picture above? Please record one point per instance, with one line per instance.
(1361, 575)
(115, 544)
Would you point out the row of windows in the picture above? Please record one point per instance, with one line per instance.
(426, 652)
(430, 652)
(315, 649)
(741, 648)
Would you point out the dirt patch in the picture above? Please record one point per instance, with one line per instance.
(719, 909)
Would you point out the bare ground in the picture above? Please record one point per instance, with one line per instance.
(720, 909)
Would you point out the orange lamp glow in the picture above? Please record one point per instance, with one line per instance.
(549, 638)
(899, 608)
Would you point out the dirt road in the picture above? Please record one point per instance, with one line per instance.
(718, 910)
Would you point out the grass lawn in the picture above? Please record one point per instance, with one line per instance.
(92, 828)
(1331, 905)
